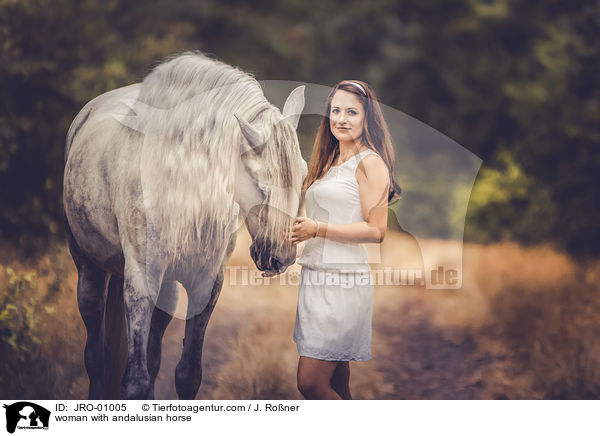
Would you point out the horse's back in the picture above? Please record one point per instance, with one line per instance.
(100, 107)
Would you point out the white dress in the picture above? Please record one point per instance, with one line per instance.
(335, 293)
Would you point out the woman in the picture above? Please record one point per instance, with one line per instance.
(349, 184)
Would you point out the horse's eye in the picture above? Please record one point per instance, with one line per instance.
(264, 189)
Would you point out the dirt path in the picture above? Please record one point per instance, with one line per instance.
(423, 361)
(420, 360)
(214, 354)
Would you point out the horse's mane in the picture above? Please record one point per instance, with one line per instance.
(187, 163)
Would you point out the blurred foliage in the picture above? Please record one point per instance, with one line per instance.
(504, 192)
(41, 337)
(18, 330)
(20, 343)
(514, 82)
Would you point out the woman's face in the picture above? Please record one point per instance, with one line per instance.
(346, 118)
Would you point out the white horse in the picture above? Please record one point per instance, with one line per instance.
(152, 196)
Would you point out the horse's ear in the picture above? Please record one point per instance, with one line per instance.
(252, 135)
(294, 105)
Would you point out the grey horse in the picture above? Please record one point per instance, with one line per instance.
(156, 175)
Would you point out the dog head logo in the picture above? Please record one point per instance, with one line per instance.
(26, 415)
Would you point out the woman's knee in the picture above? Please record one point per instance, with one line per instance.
(309, 386)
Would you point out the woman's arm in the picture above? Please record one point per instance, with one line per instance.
(373, 184)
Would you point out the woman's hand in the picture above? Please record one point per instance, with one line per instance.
(303, 229)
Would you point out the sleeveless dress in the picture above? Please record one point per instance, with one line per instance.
(335, 292)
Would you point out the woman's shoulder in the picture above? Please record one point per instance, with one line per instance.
(371, 164)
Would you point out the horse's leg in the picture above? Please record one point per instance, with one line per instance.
(115, 339)
(161, 316)
(138, 291)
(91, 282)
(188, 374)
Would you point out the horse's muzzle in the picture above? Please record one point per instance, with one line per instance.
(264, 257)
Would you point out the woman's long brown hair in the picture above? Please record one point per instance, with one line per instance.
(375, 136)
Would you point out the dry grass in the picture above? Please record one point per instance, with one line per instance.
(524, 325)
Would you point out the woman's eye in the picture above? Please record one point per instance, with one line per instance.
(334, 111)
(352, 112)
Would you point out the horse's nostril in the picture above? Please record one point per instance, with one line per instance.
(277, 265)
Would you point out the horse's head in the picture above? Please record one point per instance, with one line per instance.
(269, 182)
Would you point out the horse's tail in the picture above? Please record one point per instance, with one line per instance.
(115, 339)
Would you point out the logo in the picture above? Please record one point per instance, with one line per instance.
(431, 216)
(26, 415)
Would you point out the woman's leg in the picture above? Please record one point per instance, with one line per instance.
(340, 382)
(314, 378)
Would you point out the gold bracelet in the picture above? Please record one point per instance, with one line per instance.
(317, 232)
